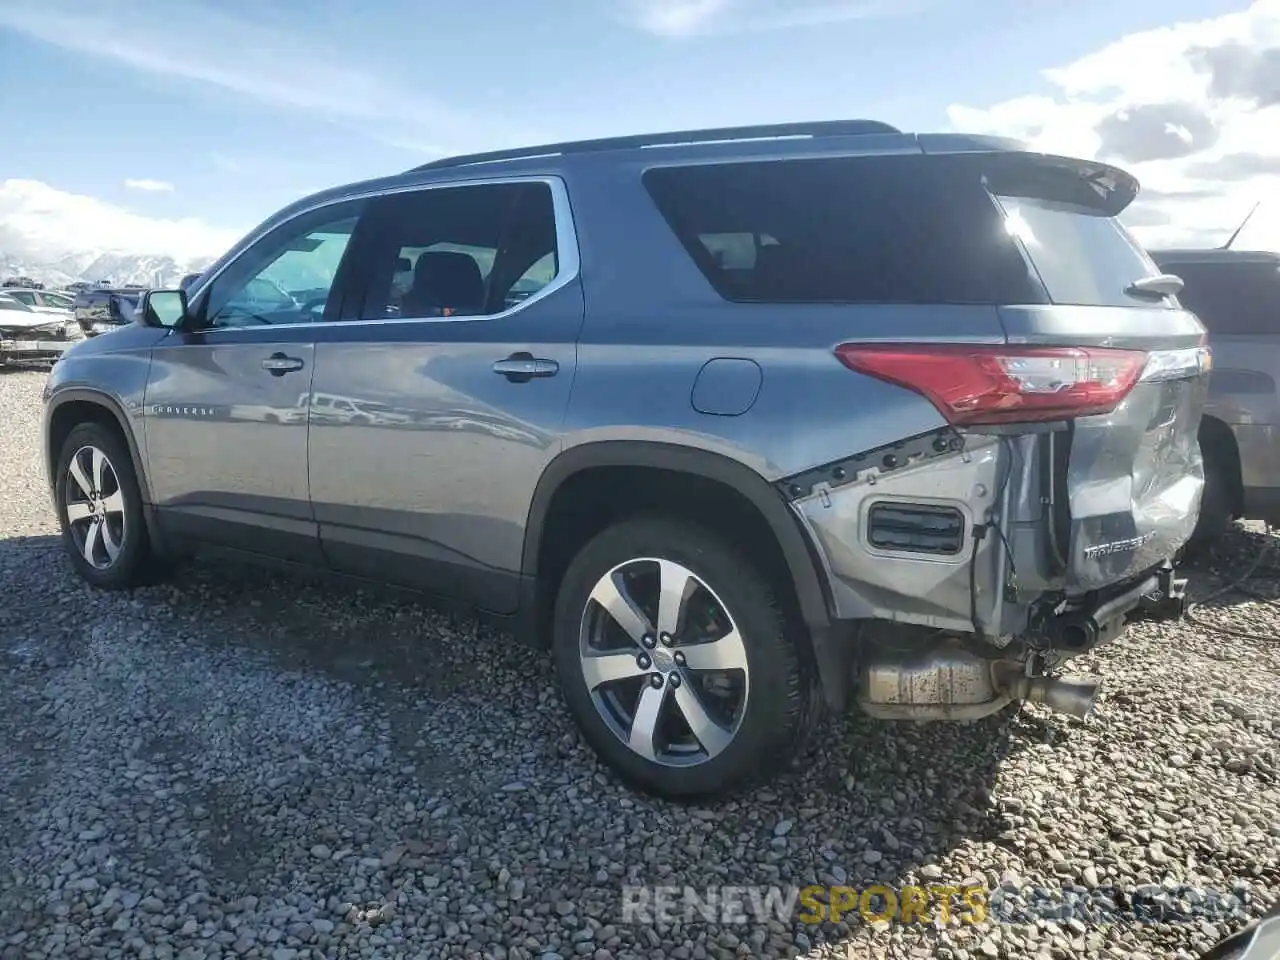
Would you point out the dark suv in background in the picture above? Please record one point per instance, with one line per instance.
(732, 424)
(1236, 294)
(101, 310)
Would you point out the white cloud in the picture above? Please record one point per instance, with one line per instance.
(1192, 109)
(680, 19)
(41, 222)
(260, 55)
(149, 186)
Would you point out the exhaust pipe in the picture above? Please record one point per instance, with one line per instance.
(1073, 697)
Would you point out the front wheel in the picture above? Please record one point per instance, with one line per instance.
(100, 508)
(676, 661)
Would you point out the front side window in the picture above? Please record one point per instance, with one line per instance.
(24, 296)
(466, 251)
(286, 277)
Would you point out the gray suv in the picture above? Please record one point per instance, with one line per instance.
(1236, 294)
(739, 425)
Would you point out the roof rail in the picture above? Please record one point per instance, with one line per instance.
(817, 128)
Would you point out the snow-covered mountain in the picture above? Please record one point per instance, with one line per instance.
(124, 269)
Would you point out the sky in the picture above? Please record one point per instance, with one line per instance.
(174, 126)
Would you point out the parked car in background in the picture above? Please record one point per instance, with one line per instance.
(44, 301)
(927, 434)
(1236, 294)
(26, 334)
(98, 311)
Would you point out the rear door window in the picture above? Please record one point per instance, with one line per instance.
(461, 251)
(844, 230)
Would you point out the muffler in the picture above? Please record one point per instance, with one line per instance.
(1073, 697)
(951, 681)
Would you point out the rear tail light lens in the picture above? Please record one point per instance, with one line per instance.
(989, 384)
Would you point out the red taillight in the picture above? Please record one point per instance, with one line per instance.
(977, 384)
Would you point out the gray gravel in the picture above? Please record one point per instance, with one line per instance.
(235, 764)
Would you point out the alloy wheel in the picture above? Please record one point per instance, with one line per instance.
(95, 507)
(664, 662)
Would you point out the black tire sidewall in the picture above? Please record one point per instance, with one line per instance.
(1215, 510)
(129, 567)
(776, 703)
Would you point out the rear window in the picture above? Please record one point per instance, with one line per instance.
(1081, 255)
(1240, 298)
(899, 230)
(843, 230)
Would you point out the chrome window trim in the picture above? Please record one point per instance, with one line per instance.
(567, 253)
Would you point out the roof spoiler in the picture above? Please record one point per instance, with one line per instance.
(1011, 169)
(1086, 183)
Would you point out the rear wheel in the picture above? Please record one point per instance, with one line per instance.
(100, 508)
(675, 660)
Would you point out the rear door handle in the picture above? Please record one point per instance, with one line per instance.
(279, 364)
(522, 367)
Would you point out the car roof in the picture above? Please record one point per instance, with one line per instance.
(770, 141)
(828, 138)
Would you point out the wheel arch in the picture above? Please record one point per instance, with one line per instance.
(810, 593)
(1217, 439)
(73, 406)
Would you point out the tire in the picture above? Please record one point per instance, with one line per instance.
(1215, 502)
(124, 529)
(761, 714)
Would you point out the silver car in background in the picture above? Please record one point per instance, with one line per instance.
(1236, 295)
(28, 335)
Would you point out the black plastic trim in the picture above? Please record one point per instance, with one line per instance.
(944, 442)
(109, 403)
(904, 527)
(419, 565)
(811, 592)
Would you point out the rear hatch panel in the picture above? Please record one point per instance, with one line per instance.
(1134, 479)
(1133, 476)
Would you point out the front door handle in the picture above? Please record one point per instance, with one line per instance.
(522, 367)
(279, 364)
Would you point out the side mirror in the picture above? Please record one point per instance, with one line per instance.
(164, 308)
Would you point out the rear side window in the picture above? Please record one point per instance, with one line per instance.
(844, 230)
(1232, 298)
(1082, 256)
(464, 251)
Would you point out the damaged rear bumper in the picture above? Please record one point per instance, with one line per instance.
(944, 557)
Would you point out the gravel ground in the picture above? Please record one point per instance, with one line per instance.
(236, 764)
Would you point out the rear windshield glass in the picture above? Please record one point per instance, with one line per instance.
(895, 230)
(1083, 257)
(844, 230)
